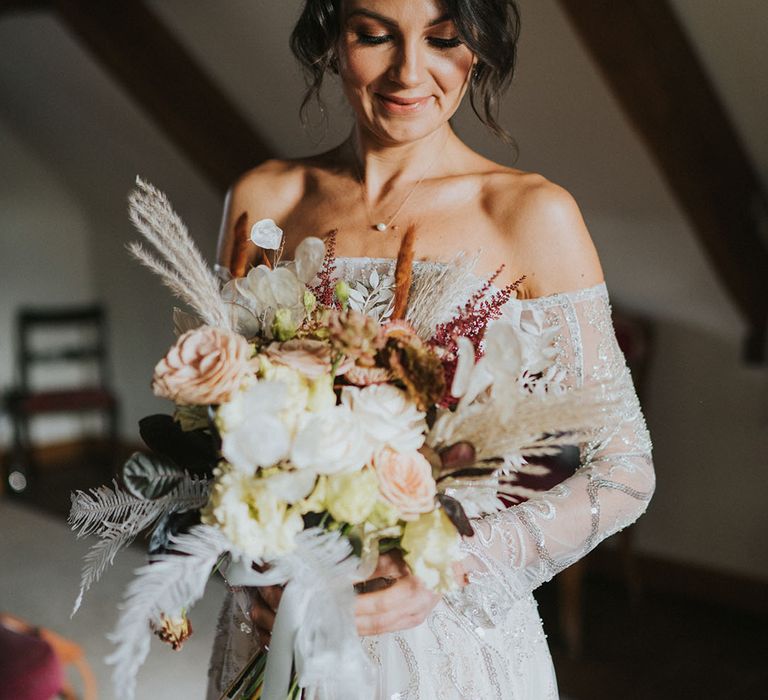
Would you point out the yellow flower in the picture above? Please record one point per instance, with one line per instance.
(315, 502)
(321, 394)
(383, 516)
(351, 497)
(251, 515)
(431, 546)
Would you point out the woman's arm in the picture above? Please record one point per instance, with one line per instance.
(516, 550)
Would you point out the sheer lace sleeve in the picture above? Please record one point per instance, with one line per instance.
(518, 549)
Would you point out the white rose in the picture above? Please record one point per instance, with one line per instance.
(387, 416)
(331, 442)
(252, 432)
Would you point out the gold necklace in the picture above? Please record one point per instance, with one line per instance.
(383, 226)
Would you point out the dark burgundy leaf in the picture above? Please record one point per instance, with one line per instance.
(455, 512)
(461, 454)
(470, 471)
(193, 450)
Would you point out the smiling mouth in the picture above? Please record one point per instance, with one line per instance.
(402, 105)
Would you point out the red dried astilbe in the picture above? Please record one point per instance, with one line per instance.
(325, 289)
(471, 322)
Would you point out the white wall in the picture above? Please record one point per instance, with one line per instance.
(708, 415)
(45, 257)
(92, 138)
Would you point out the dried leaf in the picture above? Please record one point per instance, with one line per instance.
(455, 512)
(150, 476)
(459, 455)
(193, 450)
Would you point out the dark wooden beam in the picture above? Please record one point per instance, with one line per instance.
(23, 5)
(162, 76)
(645, 56)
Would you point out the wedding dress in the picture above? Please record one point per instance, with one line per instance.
(486, 641)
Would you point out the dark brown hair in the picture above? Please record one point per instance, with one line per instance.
(490, 28)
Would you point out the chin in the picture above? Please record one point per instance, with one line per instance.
(400, 130)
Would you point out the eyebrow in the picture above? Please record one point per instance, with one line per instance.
(390, 22)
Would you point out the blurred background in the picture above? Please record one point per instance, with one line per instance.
(652, 113)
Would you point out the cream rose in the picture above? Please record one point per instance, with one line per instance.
(387, 416)
(432, 546)
(205, 366)
(250, 514)
(330, 442)
(405, 481)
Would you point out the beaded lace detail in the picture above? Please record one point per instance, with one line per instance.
(486, 641)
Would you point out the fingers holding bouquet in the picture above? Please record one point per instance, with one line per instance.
(393, 599)
(263, 611)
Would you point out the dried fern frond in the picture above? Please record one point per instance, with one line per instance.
(169, 584)
(437, 290)
(116, 518)
(179, 263)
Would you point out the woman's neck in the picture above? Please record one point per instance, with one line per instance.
(384, 168)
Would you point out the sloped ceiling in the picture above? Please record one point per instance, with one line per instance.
(566, 122)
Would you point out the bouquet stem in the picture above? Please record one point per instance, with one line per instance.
(249, 682)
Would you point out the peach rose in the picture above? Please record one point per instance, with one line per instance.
(405, 481)
(310, 357)
(205, 366)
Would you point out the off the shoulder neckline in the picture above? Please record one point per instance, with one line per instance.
(598, 289)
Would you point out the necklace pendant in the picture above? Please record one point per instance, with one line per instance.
(381, 226)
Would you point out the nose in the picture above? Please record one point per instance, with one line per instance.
(407, 69)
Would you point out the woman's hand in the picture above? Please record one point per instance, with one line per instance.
(393, 600)
(406, 602)
(263, 610)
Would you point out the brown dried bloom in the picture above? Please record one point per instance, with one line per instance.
(173, 630)
(412, 362)
(205, 366)
(355, 335)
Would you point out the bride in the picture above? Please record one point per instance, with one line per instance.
(405, 65)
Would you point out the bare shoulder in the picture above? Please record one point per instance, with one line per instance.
(541, 226)
(267, 191)
(272, 190)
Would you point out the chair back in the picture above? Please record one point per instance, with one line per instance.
(75, 335)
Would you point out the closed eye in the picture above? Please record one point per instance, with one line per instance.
(439, 43)
(373, 39)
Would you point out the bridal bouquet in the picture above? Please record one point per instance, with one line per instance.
(318, 422)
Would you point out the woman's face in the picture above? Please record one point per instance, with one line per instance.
(403, 67)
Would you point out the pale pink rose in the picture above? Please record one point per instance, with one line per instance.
(310, 357)
(205, 366)
(405, 480)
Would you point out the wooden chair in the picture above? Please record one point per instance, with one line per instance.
(85, 348)
(34, 662)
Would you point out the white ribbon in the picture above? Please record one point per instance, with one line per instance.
(314, 625)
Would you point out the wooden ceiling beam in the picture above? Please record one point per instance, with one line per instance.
(645, 56)
(128, 40)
